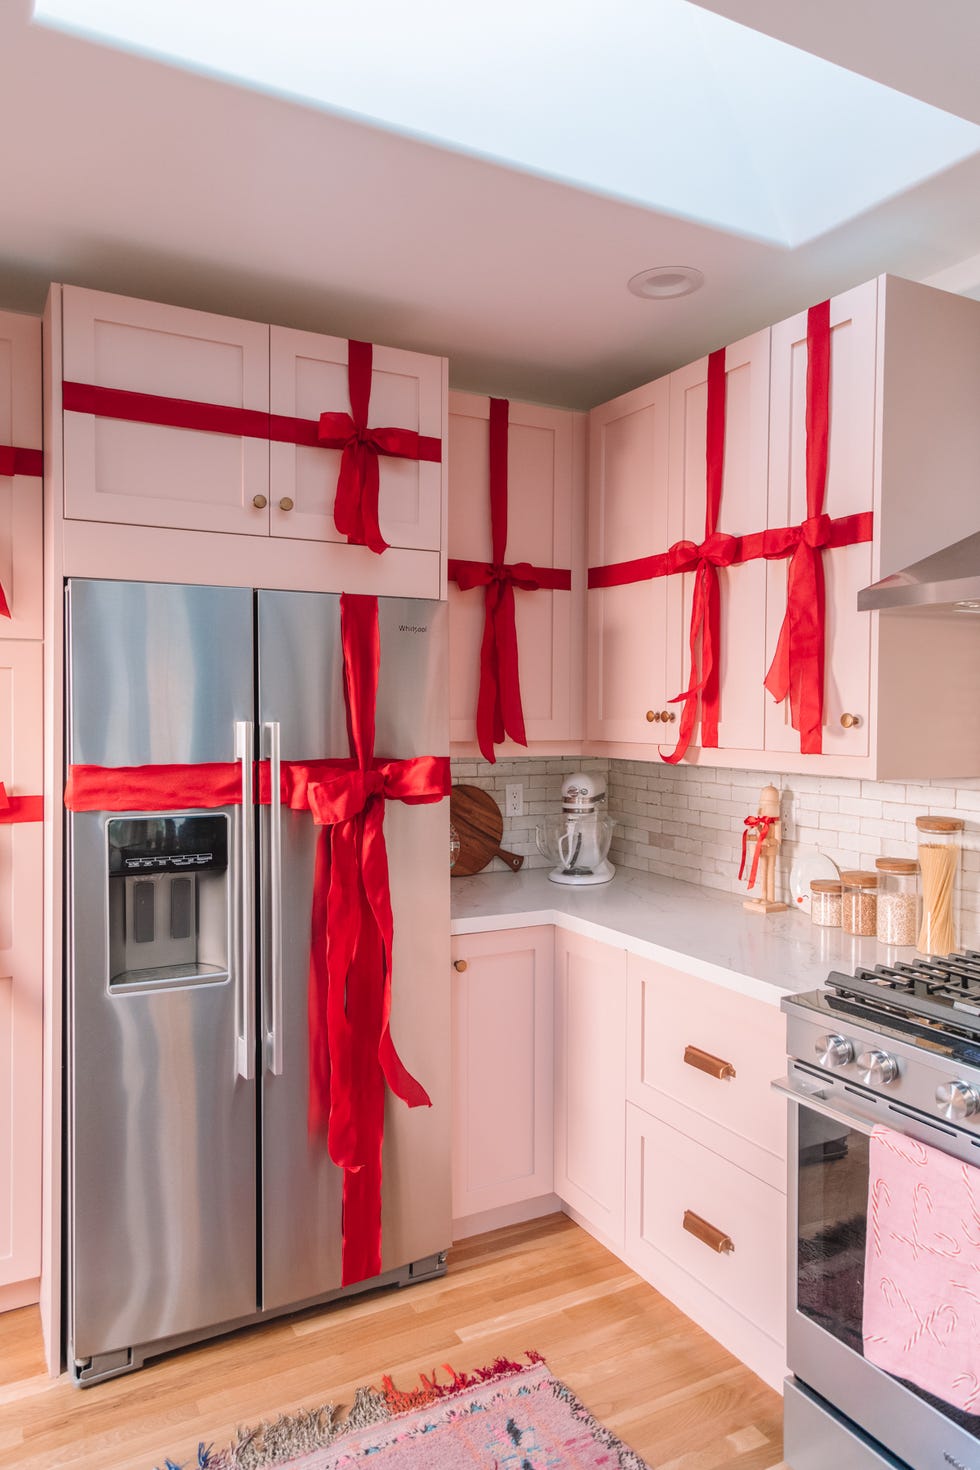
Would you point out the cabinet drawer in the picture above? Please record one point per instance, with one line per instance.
(701, 1058)
(671, 1179)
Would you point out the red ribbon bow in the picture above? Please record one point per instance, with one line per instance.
(761, 826)
(499, 711)
(797, 668)
(15, 461)
(356, 506)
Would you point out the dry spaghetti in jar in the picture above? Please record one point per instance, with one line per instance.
(940, 839)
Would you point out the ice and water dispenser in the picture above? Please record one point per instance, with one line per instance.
(168, 899)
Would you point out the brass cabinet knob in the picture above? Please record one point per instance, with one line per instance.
(667, 715)
(285, 503)
(459, 965)
(849, 721)
(653, 714)
(260, 502)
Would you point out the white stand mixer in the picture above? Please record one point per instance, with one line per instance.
(578, 840)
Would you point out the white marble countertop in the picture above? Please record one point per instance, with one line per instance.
(692, 929)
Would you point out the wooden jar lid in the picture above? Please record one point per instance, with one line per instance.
(825, 885)
(896, 865)
(857, 878)
(940, 824)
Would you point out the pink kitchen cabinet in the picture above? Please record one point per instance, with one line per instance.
(21, 771)
(633, 667)
(503, 1049)
(546, 528)
(20, 495)
(590, 1096)
(308, 376)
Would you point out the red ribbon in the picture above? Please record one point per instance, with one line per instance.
(20, 808)
(715, 551)
(15, 461)
(797, 668)
(153, 788)
(356, 505)
(499, 711)
(761, 826)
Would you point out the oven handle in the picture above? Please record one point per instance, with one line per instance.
(817, 1100)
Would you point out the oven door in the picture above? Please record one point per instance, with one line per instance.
(829, 1129)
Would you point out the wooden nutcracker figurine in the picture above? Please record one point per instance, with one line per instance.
(766, 832)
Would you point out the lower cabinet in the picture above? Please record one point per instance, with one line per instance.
(590, 1092)
(503, 1049)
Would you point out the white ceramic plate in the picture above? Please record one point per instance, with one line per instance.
(809, 863)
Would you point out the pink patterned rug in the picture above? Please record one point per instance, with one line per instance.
(505, 1417)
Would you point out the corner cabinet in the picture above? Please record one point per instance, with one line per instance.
(546, 528)
(590, 1095)
(503, 1050)
(20, 494)
(904, 443)
(231, 505)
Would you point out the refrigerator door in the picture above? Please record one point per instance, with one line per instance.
(301, 692)
(162, 1205)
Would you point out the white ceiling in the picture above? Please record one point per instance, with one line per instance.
(124, 173)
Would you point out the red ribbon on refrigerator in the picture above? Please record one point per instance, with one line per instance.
(760, 826)
(356, 504)
(16, 461)
(20, 808)
(163, 788)
(499, 711)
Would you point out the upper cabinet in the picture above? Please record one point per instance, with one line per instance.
(545, 529)
(903, 445)
(178, 420)
(20, 475)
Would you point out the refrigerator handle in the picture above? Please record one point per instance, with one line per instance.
(245, 1027)
(272, 1024)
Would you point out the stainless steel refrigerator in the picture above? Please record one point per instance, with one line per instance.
(197, 1199)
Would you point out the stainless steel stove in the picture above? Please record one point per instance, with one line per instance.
(897, 1045)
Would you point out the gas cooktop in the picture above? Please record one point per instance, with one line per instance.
(944, 991)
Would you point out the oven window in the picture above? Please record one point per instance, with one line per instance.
(832, 1191)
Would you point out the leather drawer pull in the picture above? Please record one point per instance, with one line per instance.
(709, 1235)
(705, 1062)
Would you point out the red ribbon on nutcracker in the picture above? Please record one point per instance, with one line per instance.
(352, 1052)
(760, 827)
(499, 711)
(17, 461)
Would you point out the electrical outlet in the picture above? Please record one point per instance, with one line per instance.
(514, 799)
(787, 817)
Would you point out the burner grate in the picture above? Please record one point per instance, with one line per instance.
(945, 990)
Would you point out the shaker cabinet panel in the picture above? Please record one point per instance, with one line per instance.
(21, 931)
(308, 376)
(850, 489)
(633, 666)
(590, 1098)
(20, 495)
(502, 1016)
(545, 527)
(152, 474)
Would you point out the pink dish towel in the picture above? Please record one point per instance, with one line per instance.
(922, 1268)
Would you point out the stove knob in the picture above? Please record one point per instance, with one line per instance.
(878, 1067)
(833, 1051)
(957, 1100)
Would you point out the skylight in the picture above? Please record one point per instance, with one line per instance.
(654, 101)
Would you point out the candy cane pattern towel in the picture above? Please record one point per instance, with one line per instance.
(922, 1268)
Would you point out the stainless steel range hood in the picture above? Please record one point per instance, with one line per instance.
(947, 578)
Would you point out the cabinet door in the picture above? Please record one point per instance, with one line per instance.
(850, 488)
(503, 1046)
(152, 474)
(544, 527)
(743, 509)
(20, 495)
(633, 669)
(20, 978)
(590, 1093)
(308, 376)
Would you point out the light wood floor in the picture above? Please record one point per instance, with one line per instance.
(640, 1366)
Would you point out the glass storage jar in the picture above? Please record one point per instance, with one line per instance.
(859, 902)
(825, 902)
(939, 861)
(898, 901)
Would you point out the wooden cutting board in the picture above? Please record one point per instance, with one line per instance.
(479, 825)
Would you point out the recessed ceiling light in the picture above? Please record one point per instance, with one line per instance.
(666, 280)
